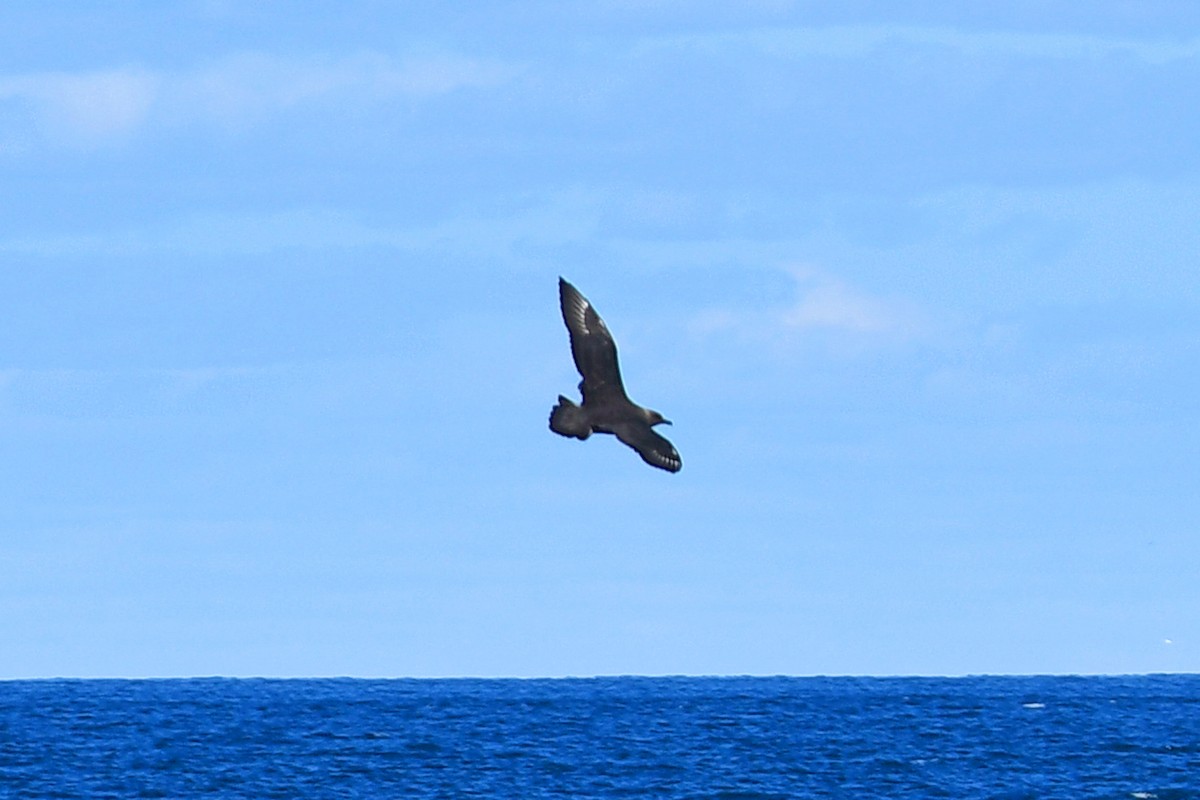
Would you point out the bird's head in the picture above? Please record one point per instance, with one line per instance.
(655, 418)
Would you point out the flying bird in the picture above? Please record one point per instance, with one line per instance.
(605, 408)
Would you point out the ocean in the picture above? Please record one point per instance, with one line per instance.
(1005, 738)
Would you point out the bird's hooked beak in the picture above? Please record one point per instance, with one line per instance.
(665, 421)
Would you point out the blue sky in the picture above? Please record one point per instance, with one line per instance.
(917, 283)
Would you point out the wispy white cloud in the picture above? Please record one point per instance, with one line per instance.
(827, 303)
(101, 106)
(67, 392)
(250, 86)
(821, 304)
(86, 106)
(559, 218)
(215, 234)
(859, 40)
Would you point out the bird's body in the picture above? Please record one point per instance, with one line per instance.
(605, 408)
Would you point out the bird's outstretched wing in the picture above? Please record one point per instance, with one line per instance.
(654, 449)
(592, 346)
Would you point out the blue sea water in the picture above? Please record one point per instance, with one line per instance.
(711, 738)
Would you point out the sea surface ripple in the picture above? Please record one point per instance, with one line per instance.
(1005, 738)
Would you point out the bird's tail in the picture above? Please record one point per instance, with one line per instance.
(568, 419)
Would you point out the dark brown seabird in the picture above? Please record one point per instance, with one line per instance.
(605, 408)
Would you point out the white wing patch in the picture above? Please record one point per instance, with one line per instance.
(583, 319)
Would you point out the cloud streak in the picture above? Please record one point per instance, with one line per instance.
(825, 303)
(98, 107)
(822, 305)
(249, 86)
(563, 217)
(861, 40)
(87, 106)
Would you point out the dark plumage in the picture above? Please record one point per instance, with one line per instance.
(605, 408)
